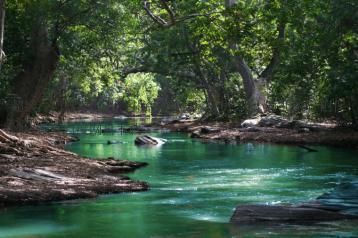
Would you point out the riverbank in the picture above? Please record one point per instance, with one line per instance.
(309, 134)
(34, 168)
(53, 117)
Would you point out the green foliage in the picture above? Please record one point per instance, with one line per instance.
(140, 92)
(190, 61)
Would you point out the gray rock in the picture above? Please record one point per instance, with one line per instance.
(271, 121)
(250, 122)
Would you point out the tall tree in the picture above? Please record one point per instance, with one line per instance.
(254, 87)
(2, 30)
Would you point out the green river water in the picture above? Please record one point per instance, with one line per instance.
(195, 187)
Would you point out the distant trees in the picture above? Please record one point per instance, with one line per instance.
(288, 54)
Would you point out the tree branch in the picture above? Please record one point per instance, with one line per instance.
(275, 60)
(155, 18)
(148, 69)
(173, 19)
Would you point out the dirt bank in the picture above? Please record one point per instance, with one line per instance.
(53, 117)
(34, 168)
(232, 133)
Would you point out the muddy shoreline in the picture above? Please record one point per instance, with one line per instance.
(35, 168)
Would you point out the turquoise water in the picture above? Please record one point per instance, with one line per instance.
(195, 187)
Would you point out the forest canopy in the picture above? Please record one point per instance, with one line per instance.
(226, 60)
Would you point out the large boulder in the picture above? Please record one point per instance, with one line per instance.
(149, 140)
(251, 122)
(264, 121)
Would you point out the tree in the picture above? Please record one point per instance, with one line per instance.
(2, 30)
(46, 24)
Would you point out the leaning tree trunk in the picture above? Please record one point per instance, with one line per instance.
(255, 97)
(2, 30)
(30, 84)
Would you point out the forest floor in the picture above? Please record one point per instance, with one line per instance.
(35, 168)
(319, 134)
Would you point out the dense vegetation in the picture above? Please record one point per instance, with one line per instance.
(227, 60)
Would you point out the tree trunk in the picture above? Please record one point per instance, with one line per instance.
(210, 91)
(32, 82)
(256, 100)
(62, 99)
(2, 30)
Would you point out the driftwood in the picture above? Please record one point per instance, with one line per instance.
(5, 137)
(36, 174)
(148, 140)
(307, 148)
(265, 213)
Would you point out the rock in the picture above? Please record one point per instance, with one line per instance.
(250, 122)
(208, 130)
(264, 121)
(149, 140)
(271, 120)
(184, 116)
(340, 203)
(267, 213)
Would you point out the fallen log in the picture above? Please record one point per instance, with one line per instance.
(307, 148)
(340, 203)
(265, 213)
(149, 140)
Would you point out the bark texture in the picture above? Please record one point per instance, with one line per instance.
(2, 30)
(31, 83)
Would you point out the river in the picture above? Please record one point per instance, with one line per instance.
(195, 187)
